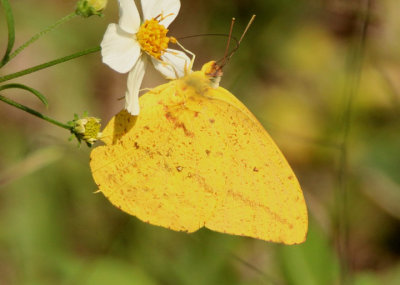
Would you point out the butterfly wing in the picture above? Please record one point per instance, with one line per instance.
(198, 157)
(264, 199)
(151, 167)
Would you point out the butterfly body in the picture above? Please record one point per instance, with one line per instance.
(196, 157)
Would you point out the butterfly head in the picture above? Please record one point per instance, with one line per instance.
(213, 72)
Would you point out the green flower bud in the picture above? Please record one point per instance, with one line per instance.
(87, 8)
(86, 129)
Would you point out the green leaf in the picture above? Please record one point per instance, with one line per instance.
(11, 30)
(368, 278)
(114, 271)
(24, 87)
(311, 263)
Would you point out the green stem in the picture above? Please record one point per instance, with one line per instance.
(27, 88)
(48, 64)
(354, 70)
(34, 112)
(11, 31)
(40, 34)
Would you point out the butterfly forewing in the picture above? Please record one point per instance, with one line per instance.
(155, 170)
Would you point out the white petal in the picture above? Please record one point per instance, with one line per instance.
(173, 64)
(135, 78)
(119, 49)
(129, 19)
(168, 9)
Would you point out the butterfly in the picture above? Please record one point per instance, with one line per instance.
(197, 157)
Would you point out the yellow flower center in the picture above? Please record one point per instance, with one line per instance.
(153, 39)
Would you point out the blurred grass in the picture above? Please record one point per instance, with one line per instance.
(290, 71)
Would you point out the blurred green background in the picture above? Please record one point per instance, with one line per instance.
(296, 71)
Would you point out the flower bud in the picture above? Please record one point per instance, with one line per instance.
(87, 8)
(86, 129)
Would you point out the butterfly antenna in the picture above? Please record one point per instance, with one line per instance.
(247, 28)
(206, 35)
(228, 43)
(238, 43)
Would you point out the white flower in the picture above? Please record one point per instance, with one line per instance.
(130, 45)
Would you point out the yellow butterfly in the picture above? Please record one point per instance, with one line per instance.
(197, 157)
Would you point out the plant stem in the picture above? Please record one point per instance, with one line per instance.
(27, 88)
(354, 71)
(11, 31)
(48, 64)
(39, 35)
(34, 112)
